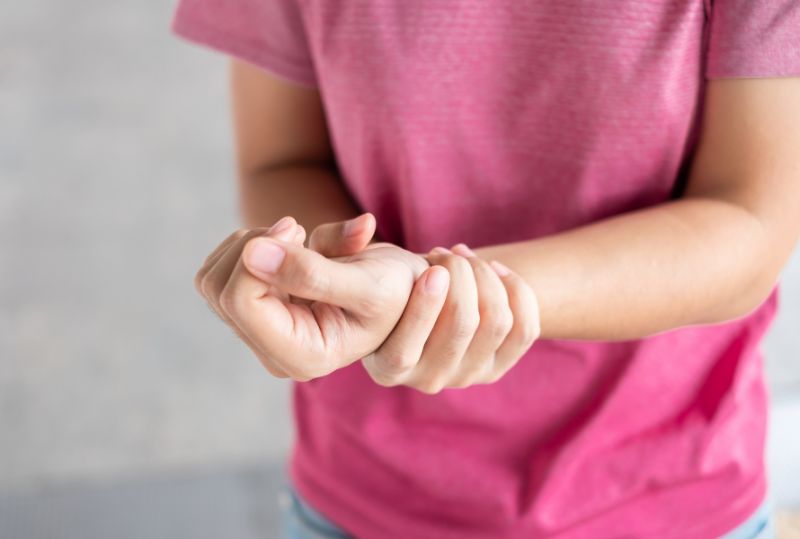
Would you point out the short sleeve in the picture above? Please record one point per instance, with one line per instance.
(753, 38)
(267, 33)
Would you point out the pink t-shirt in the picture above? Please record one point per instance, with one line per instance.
(492, 121)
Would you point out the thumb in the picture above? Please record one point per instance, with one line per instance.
(307, 274)
(343, 238)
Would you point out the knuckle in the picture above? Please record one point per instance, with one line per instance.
(492, 377)
(470, 376)
(430, 387)
(498, 320)
(504, 326)
(461, 382)
(465, 324)
(394, 363)
(383, 379)
(386, 370)
(529, 333)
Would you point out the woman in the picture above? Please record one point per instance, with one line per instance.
(626, 177)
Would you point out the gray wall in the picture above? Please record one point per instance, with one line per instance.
(120, 391)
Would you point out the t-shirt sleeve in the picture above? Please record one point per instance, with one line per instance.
(267, 33)
(753, 38)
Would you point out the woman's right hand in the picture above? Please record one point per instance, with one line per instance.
(305, 315)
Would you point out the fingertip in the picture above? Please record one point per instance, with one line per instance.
(263, 254)
(284, 229)
(283, 224)
(437, 280)
(462, 250)
(501, 269)
(300, 235)
(355, 226)
(439, 250)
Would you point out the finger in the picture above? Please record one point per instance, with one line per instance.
(214, 282)
(454, 328)
(343, 238)
(307, 274)
(526, 328)
(399, 353)
(280, 225)
(300, 235)
(265, 323)
(238, 233)
(291, 335)
(496, 321)
(215, 255)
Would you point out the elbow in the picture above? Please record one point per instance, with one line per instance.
(754, 272)
(750, 293)
(769, 246)
(753, 297)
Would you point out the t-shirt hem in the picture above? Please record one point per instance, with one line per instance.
(754, 69)
(202, 34)
(739, 512)
(311, 488)
(718, 75)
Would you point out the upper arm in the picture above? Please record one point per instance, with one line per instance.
(276, 122)
(749, 156)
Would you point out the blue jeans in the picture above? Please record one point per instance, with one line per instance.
(301, 521)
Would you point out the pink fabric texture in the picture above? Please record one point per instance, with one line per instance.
(492, 121)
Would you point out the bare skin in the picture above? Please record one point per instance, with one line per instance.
(306, 315)
(711, 256)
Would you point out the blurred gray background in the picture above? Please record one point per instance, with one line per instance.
(127, 409)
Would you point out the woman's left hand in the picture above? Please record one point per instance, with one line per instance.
(487, 321)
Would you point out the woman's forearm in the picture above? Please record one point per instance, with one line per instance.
(312, 194)
(685, 262)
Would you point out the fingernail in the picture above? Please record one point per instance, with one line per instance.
(440, 250)
(266, 255)
(353, 226)
(283, 224)
(463, 250)
(436, 281)
(501, 270)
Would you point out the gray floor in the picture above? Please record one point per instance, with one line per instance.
(230, 503)
(126, 408)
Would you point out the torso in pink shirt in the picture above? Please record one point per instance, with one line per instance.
(491, 121)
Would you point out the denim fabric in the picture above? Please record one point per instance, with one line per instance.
(760, 525)
(301, 521)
